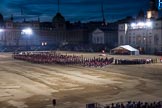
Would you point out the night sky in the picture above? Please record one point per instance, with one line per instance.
(72, 10)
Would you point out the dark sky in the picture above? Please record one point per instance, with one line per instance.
(73, 10)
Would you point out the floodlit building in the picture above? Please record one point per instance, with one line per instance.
(58, 32)
(143, 33)
(53, 33)
(105, 33)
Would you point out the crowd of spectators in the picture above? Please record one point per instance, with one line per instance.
(84, 47)
(128, 104)
(28, 48)
(77, 47)
(135, 61)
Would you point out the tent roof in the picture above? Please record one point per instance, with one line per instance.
(127, 47)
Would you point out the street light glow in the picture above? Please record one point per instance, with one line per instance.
(133, 25)
(141, 24)
(27, 31)
(1, 30)
(149, 24)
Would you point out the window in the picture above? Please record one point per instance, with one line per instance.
(60, 25)
(102, 40)
(144, 39)
(138, 40)
(98, 39)
(129, 39)
(121, 39)
(133, 40)
(156, 39)
(150, 38)
(156, 24)
(0, 37)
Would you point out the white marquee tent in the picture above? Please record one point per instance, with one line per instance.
(125, 49)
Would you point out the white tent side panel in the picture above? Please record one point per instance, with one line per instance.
(132, 50)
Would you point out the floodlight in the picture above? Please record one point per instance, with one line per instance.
(27, 31)
(133, 25)
(141, 24)
(1, 30)
(149, 24)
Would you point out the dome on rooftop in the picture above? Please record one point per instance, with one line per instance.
(58, 18)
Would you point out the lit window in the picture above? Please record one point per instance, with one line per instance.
(149, 14)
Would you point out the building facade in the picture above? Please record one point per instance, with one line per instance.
(146, 36)
(43, 33)
(105, 36)
(145, 33)
(98, 37)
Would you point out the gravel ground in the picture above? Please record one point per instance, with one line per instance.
(27, 85)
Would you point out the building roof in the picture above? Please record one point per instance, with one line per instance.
(58, 18)
(141, 15)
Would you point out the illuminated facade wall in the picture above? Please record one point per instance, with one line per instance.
(98, 37)
(147, 38)
(12, 36)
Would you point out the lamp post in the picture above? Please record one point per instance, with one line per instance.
(1, 31)
(145, 39)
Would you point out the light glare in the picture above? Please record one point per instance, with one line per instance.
(141, 24)
(149, 24)
(27, 31)
(133, 25)
(1, 30)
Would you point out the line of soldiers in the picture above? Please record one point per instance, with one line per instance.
(135, 61)
(98, 62)
(57, 58)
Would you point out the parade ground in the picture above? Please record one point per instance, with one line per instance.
(29, 85)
